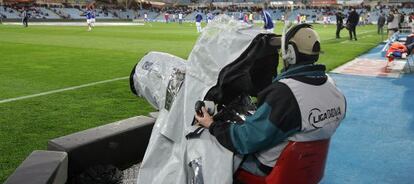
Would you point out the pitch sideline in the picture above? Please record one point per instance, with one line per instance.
(61, 90)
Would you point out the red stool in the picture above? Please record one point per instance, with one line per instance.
(299, 163)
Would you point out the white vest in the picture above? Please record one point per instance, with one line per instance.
(322, 108)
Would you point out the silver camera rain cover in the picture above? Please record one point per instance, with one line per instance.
(195, 175)
(157, 76)
(222, 43)
(174, 85)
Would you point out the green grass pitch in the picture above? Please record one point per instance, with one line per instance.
(43, 58)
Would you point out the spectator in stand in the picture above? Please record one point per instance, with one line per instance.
(351, 24)
(381, 23)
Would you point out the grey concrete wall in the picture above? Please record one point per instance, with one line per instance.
(41, 167)
(120, 144)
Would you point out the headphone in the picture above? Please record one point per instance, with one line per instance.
(291, 54)
(291, 50)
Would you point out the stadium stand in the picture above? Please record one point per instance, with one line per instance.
(126, 14)
(41, 13)
(72, 13)
(9, 13)
(156, 13)
(49, 13)
(104, 14)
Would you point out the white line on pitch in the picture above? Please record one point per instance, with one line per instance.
(61, 90)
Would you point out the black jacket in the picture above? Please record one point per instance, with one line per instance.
(339, 18)
(381, 20)
(353, 18)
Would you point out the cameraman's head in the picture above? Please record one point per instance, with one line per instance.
(302, 46)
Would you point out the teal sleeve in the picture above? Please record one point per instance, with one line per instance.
(257, 132)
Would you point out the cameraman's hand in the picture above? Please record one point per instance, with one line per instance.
(204, 120)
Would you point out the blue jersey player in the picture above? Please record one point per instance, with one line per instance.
(90, 18)
(198, 19)
(268, 23)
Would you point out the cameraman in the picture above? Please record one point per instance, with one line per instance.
(294, 107)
